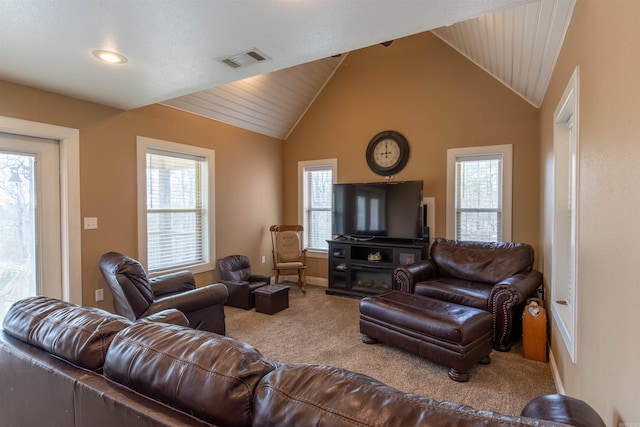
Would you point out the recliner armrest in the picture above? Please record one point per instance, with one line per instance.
(172, 283)
(259, 278)
(521, 286)
(406, 276)
(191, 301)
(234, 282)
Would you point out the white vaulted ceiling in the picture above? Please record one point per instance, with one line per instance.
(174, 48)
(270, 104)
(517, 45)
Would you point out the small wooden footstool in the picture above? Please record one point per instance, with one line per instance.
(271, 299)
(452, 335)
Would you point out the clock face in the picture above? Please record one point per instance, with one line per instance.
(387, 153)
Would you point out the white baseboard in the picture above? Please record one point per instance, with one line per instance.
(554, 372)
(311, 280)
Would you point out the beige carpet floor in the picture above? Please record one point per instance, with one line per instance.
(323, 329)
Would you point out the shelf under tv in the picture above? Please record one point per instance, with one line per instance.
(360, 268)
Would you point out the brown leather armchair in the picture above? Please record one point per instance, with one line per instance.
(497, 277)
(135, 296)
(235, 274)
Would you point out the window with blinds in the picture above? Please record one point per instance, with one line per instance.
(479, 198)
(479, 183)
(317, 179)
(176, 199)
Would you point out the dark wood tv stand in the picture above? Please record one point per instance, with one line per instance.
(354, 270)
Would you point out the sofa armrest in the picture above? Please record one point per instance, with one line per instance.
(172, 283)
(520, 286)
(406, 277)
(563, 409)
(191, 301)
(171, 316)
(505, 297)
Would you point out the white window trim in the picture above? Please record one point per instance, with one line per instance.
(506, 150)
(143, 143)
(334, 174)
(565, 313)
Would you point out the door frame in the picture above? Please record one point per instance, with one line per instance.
(69, 140)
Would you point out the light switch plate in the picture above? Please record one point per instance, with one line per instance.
(90, 223)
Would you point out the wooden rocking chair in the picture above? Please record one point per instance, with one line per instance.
(288, 253)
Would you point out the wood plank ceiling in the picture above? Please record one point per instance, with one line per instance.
(270, 104)
(518, 46)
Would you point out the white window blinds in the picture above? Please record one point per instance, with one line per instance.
(478, 197)
(176, 210)
(317, 202)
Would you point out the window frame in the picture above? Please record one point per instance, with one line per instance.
(504, 150)
(143, 144)
(302, 166)
(566, 203)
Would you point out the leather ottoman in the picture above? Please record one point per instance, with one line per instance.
(271, 299)
(452, 335)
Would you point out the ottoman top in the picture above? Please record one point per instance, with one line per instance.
(443, 320)
(271, 289)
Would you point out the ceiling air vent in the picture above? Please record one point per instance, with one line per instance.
(245, 58)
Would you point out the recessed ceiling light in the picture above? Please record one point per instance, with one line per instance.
(109, 56)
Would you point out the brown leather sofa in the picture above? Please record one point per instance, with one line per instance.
(64, 365)
(135, 296)
(494, 276)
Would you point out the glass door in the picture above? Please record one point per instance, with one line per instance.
(18, 226)
(30, 232)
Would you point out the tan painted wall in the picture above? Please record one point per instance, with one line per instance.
(437, 99)
(247, 175)
(604, 41)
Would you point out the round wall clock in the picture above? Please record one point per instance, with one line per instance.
(387, 153)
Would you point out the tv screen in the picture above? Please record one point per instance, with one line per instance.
(379, 209)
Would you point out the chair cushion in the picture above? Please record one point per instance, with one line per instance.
(457, 291)
(208, 375)
(485, 262)
(291, 265)
(132, 293)
(80, 335)
(234, 267)
(288, 246)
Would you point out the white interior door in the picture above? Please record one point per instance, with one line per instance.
(30, 249)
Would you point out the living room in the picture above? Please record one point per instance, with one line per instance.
(439, 100)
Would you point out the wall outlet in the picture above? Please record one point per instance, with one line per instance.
(264, 259)
(99, 294)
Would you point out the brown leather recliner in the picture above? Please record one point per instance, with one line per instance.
(494, 276)
(135, 296)
(235, 274)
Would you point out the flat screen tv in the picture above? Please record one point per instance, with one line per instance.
(392, 210)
